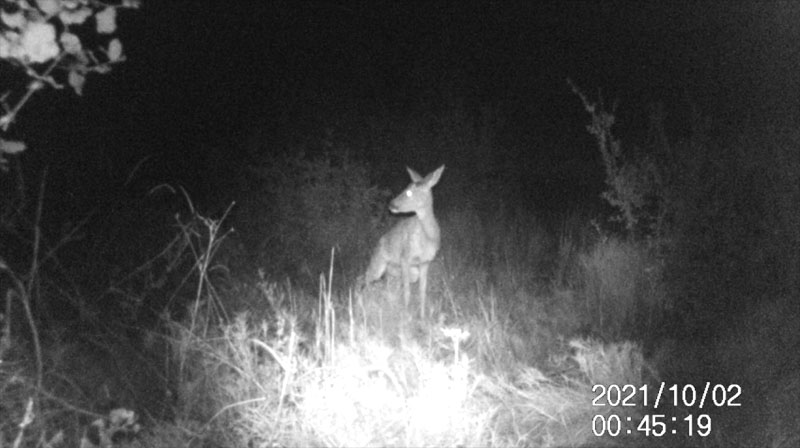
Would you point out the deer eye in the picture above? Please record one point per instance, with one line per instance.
(409, 193)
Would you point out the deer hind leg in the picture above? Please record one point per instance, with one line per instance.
(377, 266)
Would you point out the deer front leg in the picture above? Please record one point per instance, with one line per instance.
(405, 269)
(423, 287)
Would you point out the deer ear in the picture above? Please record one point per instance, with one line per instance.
(433, 178)
(415, 177)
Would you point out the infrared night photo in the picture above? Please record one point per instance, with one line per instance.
(396, 223)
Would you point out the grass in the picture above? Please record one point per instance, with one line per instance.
(284, 367)
(524, 325)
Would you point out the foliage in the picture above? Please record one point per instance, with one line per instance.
(46, 40)
(313, 204)
(263, 381)
(720, 205)
(635, 184)
(49, 42)
(622, 289)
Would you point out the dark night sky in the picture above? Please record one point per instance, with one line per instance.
(204, 75)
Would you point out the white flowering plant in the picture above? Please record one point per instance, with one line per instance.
(45, 37)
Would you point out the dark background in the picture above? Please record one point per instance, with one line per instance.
(205, 78)
(212, 89)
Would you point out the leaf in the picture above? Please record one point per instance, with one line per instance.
(102, 69)
(11, 146)
(74, 17)
(16, 20)
(9, 45)
(70, 42)
(49, 7)
(114, 50)
(76, 81)
(106, 20)
(39, 42)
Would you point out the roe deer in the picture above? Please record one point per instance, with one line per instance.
(410, 246)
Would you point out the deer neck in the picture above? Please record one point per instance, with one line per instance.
(428, 221)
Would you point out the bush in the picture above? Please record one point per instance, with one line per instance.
(309, 205)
